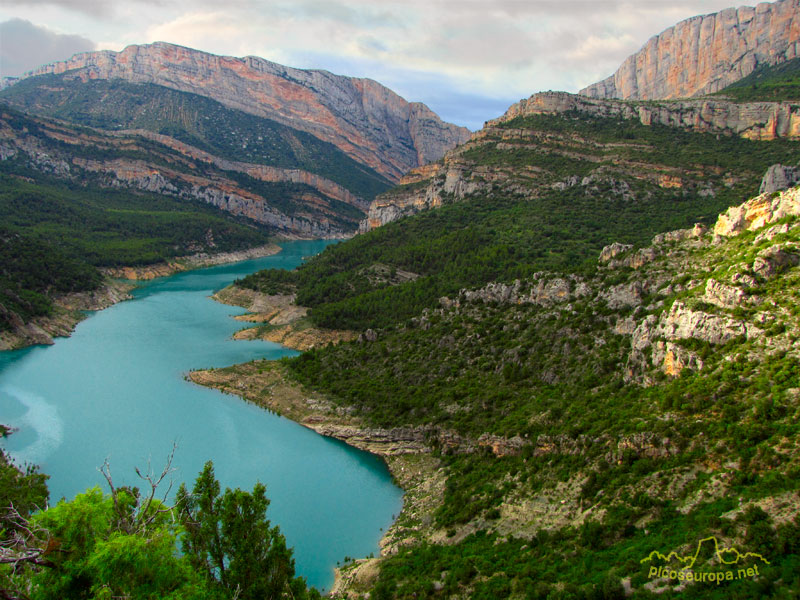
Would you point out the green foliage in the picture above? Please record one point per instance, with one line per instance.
(24, 489)
(552, 377)
(114, 227)
(192, 119)
(583, 562)
(54, 235)
(270, 281)
(772, 83)
(124, 545)
(229, 540)
(142, 567)
(31, 270)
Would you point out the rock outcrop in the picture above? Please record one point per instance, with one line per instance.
(309, 207)
(757, 212)
(751, 120)
(366, 120)
(417, 193)
(779, 177)
(707, 53)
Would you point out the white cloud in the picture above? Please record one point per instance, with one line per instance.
(88, 7)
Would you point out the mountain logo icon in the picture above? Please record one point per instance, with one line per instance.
(725, 555)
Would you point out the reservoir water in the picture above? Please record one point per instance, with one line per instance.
(116, 390)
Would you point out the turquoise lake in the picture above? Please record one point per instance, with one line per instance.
(116, 390)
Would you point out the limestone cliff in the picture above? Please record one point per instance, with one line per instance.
(751, 120)
(366, 120)
(707, 53)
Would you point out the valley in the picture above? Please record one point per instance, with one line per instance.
(571, 336)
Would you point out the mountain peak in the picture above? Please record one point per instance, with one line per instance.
(705, 54)
(363, 118)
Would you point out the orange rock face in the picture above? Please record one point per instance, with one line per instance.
(366, 120)
(707, 53)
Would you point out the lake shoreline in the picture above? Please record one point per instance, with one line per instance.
(70, 309)
(130, 362)
(406, 454)
(278, 319)
(191, 262)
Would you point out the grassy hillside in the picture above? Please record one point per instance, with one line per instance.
(770, 83)
(192, 119)
(550, 198)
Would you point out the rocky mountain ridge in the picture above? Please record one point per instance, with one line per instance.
(752, 120)
(706, 53)
(366, 120)
(457, 176)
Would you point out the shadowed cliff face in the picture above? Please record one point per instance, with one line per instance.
(364, 119)
(705, 54)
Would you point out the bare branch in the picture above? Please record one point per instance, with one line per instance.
(146, 517)
(27, 544)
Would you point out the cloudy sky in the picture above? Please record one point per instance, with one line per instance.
(467, 59)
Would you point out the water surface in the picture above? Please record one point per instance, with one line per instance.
(116, 390)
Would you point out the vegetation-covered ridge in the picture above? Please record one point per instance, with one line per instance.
(283, 200)
(532, 193)
(201, 122)
(768, 83)
(587, 420)
(54, 236)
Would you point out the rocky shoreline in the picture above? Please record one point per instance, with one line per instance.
(201, 260)
(404, 450)
(279, 320)
(69, 310)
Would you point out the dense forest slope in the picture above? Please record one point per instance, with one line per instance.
(360, 117)
(706, 53)
(529, 192)
(578, 424)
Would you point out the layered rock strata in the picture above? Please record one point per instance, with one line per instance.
(706, 53)
(455, 177)
(179, 170)
(751, 120)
